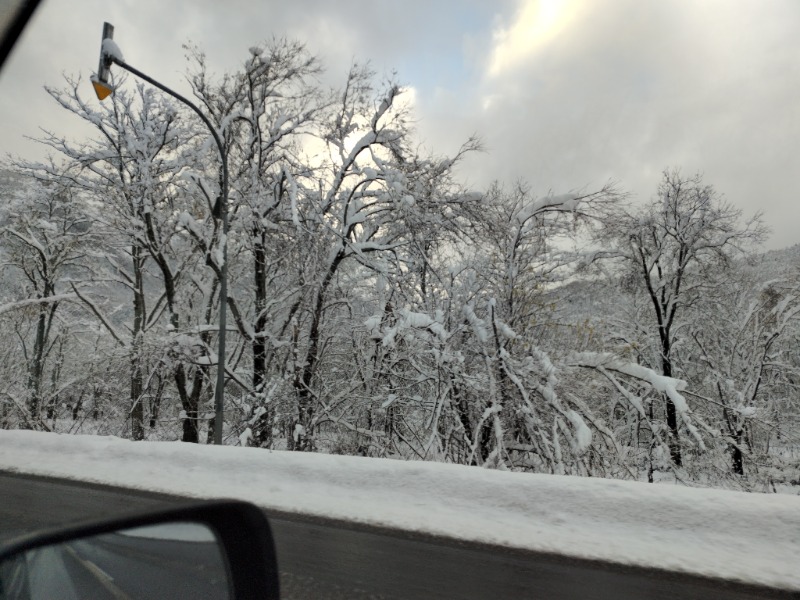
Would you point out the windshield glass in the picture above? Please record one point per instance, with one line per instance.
(518, 239)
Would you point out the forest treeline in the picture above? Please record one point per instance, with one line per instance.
(376, 305)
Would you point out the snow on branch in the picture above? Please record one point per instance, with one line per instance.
(100, 316)
(478, 326)
(408, 320)
(661, 383)
(4, 308)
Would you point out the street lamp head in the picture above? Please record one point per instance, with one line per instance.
(108, 52)
(101, 88)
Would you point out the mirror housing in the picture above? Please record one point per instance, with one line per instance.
(241, 529)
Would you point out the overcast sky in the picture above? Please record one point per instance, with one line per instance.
(566, 94)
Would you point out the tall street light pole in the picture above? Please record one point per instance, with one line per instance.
(110, 54)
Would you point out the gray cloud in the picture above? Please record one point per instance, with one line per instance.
(418, 40)
(629, 88)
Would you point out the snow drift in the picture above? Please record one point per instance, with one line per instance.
(751, 538)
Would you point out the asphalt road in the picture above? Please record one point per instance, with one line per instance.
(140, 567)
(319, 559)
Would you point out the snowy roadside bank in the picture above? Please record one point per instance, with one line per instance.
(753, 538)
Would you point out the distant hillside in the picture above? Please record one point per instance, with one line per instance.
(589, 305)
(775, 264)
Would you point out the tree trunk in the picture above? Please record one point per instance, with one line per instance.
(262, 426)
(76, 408)
(137, 409)
(462, 411)
(155, 401)
(191, 433)
(37, 366)
(190, 405)
(674, 442)
(96, 403)
(672, 414)
(484, 441)
(736, 453)
(305, 399)
(212, 423)
(190, 399)
(137, 377)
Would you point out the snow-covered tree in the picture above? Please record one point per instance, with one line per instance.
(671, 250)
(132, 169)
(48, 243)
(370, 196)
(264, 111)
(747, 359)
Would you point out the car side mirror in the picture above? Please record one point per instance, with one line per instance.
(216, 550)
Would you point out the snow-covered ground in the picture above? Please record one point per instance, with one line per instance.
(746, 537)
